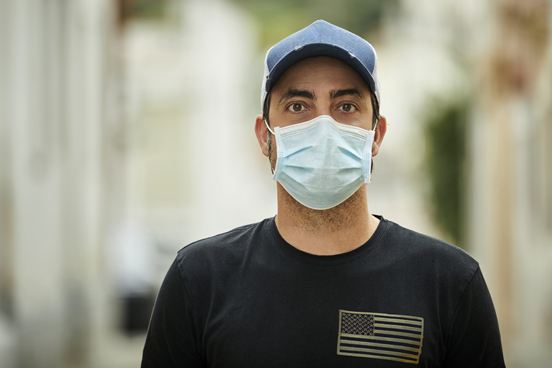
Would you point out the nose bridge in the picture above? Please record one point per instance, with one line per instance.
(324, 110)
(323, 106)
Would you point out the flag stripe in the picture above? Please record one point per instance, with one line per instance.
(406, 321)
(395, 333)
(382, 352)
(390, 346)
(385, 348)
(418, 329)
(381, 338)
(365, 355)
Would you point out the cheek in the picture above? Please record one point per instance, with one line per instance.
(358, 120)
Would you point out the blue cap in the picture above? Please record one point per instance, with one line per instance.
(321, 39)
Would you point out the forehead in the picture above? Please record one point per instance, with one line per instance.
(320, 72)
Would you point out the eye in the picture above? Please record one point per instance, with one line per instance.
(296, 107)
(347, 108)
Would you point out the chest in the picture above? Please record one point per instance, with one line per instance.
(321, 320)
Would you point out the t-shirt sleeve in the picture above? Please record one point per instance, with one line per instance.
(474, 337)
(172, 340)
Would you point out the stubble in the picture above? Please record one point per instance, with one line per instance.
(338, 218)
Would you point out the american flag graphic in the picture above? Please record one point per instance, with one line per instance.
(380, 336)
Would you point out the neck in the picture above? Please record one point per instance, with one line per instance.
(337, 230)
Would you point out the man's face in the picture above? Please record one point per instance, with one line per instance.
(320, 86)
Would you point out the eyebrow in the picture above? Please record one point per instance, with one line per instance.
(346, 92)
(292, 92)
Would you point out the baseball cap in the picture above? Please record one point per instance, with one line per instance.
(321, 39)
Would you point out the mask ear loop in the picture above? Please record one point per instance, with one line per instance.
(266, 123)
(267, 138)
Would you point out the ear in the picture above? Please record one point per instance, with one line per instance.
(381, 129)
(261, 133)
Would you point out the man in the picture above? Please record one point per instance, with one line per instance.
(324, 283)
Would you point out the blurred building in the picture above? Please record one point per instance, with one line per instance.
(60, 173)
(511, 173)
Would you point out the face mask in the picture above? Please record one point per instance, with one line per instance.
(321, 162)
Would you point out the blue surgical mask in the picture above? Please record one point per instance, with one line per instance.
(321, 162)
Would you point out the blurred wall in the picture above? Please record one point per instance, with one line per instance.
(511, 173)
(59, 176)
(192, 83)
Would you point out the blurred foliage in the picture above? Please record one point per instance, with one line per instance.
(280, 18)
(149, 9)
(445, 134)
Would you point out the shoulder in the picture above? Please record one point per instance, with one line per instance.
(428, 252)
(221, 250)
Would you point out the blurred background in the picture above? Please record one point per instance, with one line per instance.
(126, 132)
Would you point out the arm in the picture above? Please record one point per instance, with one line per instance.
(172, 339)
(474, 337)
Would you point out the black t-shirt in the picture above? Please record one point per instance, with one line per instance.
(246, 298)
